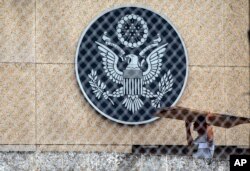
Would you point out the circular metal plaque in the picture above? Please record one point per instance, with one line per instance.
(130, 61)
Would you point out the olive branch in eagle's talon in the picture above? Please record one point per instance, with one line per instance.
(165, 85)
(98, 87)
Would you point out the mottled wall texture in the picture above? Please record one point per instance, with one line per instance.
(41, 106)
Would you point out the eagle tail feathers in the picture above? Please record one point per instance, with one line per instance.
(132, 103)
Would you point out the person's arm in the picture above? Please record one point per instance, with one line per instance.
(188, 132)
(210, 134)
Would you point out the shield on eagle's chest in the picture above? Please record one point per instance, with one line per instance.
(132, 82)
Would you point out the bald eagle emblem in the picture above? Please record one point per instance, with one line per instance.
(132, 32)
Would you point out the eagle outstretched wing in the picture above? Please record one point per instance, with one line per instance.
(154, 61)
(109, 61)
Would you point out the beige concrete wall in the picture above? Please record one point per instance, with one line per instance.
(41, 103)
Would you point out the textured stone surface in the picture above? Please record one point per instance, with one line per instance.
(103, 131)
(17, 104)
(205, 91)
(236, 26)
(17, 161)
(78, 148)
(129, 162)
(64, 117)
(237, 89)
(153, 163)
(49, 161)
(17, 40)
(200, 23)
(182, 163)
(104, 161)
(75, 161)
(111, 161)
(21, 148)
(121, 148)
(61, 110)
(42, 104)
(162, 131)
(59, 36)
(59, 25)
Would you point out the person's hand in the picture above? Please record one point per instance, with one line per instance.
(188, 131)
(188, 124)
(210, 117)
(210, 133)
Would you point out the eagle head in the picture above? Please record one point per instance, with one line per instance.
(133, 61)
